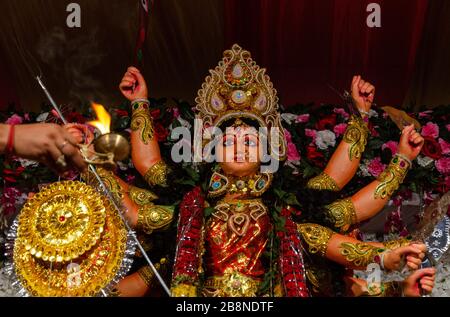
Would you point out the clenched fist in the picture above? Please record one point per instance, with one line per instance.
(363, 93)
(133, 85)
(411, 143)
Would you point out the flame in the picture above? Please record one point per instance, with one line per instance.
(104, 119)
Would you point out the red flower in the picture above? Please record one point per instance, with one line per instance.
(314, 156)
(121, 113)
(327, 122)
(431, 148)
(155, 113)
(160, 132)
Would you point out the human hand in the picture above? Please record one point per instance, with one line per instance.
(414, 253)
(411, 143)
(423, 278)
(49, 144)
(363, 93)
(133, 85)
(80, 132)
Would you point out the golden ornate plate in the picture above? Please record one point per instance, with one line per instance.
(87, 275)
(62, 222)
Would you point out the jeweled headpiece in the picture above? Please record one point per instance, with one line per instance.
(238, 88)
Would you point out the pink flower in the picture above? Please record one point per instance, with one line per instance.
(27, 117)
(176, 112)
(292, 152)
(340, 129)
(342, 112)
(445, 146)
(391, 145)
(443, 165)
(448, 127)
(425, 114)
(311, 133)
(430, 129)
(14, 119)
(375, 167)
(303, 118)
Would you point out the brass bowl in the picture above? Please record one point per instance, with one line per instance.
(113, 143)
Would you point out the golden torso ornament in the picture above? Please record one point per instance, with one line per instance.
(236, 236)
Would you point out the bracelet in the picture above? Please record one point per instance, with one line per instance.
(405, 158)
(9, 149)
(391, 178)
(140, 100)
(364, 112)
(382, 259)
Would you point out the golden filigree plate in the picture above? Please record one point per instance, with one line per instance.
(86, 276)
(62, 221)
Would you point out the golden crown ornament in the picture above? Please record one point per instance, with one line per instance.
(238, 88)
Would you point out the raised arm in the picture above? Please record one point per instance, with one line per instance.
(145, 151)
(368, 201)
(345, 160)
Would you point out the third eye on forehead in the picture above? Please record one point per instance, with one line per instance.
(241, 131)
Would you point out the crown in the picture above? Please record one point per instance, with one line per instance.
(238, 88)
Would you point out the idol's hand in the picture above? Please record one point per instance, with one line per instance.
(363, 93)
(411, 143)
(423, 278)
(414, 253)
(133, 85)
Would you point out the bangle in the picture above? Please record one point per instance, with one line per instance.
(364, 112)
(382, 259)
(9, 149)
(405, 158)
(140, 100)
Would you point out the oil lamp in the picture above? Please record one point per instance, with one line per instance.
(109, 147)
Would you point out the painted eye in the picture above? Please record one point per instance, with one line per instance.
(228, 142)
(250, 142)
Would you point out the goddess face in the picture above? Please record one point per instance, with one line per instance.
(239, 151)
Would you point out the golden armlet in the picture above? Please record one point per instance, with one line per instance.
(361, 254)
(323, 182)
(141, 120)
(146, 273)
(356, 135)
(342, 213)
(394, 244)
(157, 174)
(391, 178)
(316, 236)
(108, 179)
(141, 196)
(152, 217)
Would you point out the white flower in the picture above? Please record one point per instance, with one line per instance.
(42, 117)
(27, 163)
(325, 138)
(289, 117)
(364, 169)
(373, 113)
(424, 161)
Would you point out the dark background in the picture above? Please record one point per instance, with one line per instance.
(304, 44)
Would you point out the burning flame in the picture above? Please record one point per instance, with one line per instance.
(104, 119)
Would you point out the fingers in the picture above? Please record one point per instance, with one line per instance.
(413, 262)
(408, 129)
(135, 72)
(430, 271)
